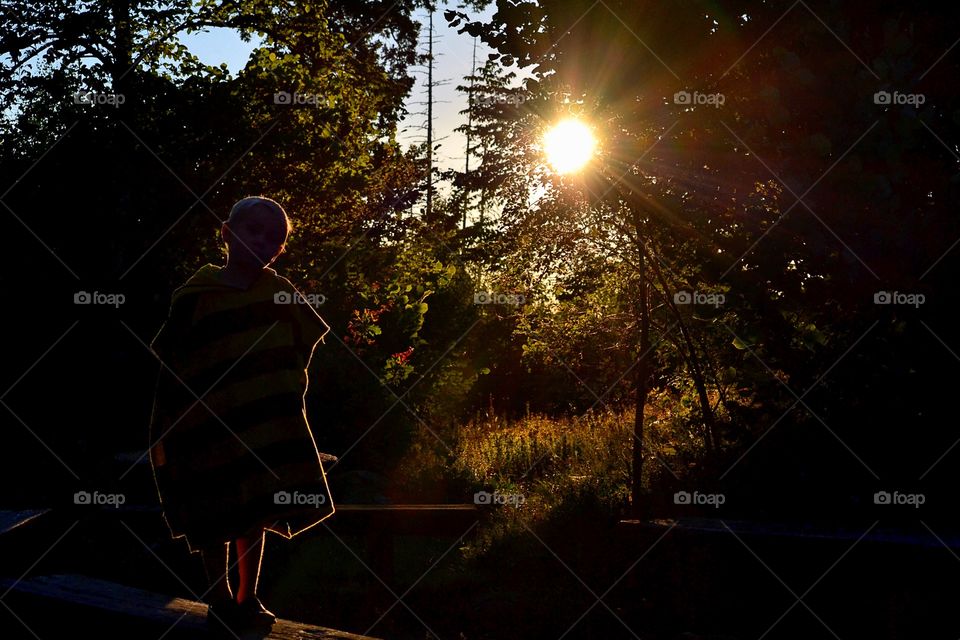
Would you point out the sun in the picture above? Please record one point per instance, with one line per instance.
(569, 145)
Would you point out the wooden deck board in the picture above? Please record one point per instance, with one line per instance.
(180, 616)
(914, 536)
(10, 520)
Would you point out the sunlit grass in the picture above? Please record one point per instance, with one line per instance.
(548, 449)
(559, 465)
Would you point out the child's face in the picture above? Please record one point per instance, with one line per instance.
(262, 233)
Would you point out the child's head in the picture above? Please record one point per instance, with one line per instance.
(256, 231)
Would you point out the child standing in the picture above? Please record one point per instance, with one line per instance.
(231, 449)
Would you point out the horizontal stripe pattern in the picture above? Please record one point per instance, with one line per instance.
(212, 430)
(219, 462)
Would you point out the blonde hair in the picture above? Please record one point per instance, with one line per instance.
(251, 204)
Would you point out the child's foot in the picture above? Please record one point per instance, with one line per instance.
(252, 612)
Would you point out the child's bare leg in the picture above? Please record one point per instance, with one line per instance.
(249, 558)
(215, 563)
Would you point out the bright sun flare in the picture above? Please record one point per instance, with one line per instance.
(569, 145)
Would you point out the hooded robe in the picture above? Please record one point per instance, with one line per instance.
(230, 445)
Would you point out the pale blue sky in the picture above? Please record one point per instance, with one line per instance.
(453, 53)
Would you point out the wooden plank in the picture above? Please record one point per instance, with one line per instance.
(404, 519)
(10, 520)
(399, 519)
(180, 616)
(406, 507)
(340, 506)
(911, 537)
(141, 457)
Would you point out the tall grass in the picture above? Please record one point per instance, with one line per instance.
(544, 467)
(547, 450)
(541, 465)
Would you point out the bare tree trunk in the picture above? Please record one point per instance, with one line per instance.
(693, 362)
(642, 378)
(123, 43)
(688, 350)
(429, 213)
(122, 149)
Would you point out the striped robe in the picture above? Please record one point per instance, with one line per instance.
(243, 456)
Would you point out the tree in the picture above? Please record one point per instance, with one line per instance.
(751, 172)
(125, 152)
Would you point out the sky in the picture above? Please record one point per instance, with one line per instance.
(453, 53)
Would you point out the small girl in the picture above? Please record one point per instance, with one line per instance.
(231, 449)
